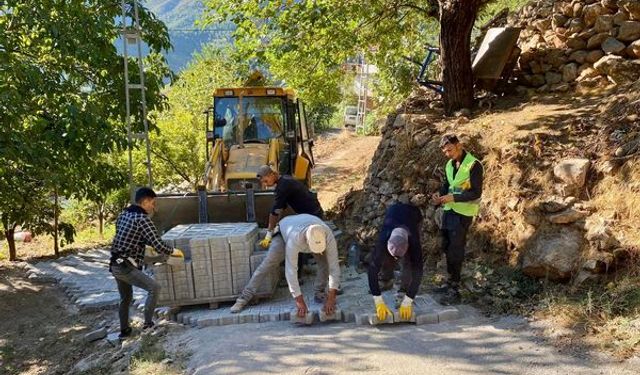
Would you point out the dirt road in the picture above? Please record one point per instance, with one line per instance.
(342, 159)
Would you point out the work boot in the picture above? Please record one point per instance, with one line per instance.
(148, 325)
(239, 305)
(442, 288)
(386, 285)
(125, 332)
(452, 297)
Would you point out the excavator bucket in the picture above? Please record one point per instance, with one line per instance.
(231, 207)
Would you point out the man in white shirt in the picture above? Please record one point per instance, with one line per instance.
(297, 234)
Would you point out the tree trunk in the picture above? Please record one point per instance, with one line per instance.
(56, 249)
(456, 22)
(9, 232)
(101, 220)
(12, 244)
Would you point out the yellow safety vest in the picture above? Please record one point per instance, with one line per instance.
(460, 183)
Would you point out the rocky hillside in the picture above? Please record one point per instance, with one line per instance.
(584, 44)
(561, 185)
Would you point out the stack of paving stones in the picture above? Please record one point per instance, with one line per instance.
(219, 261)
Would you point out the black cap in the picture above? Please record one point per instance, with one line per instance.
(449, 139)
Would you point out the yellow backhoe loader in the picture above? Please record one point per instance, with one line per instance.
(247, 127)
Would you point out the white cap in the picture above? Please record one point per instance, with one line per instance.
(316, 238)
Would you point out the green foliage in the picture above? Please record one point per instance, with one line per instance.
(62, 101)
(178, 146)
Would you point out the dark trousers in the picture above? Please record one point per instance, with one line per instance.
(126, 277)
(388, 268)
(454, 233)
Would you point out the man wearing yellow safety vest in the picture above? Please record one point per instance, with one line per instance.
(460, 196)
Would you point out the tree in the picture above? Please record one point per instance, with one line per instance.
(62, 101)
(305, 42)
(178, 146)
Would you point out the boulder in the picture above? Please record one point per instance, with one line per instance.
(594, 56)
(556, 204)
(542, 25)
(587, 73)
(578, 7)
(553, 255)
(619, 18)
(558, 20)
(611, 4)
(604, 23)
(569, 72)
(596, 40)
(612, 46)
(572, 172)
(574, 26)
(556, 58)
(599, 234)
(552, 77)
(534, 80)
(591, 13)
(618, 69)
(400, 121)
(632, 7)
(629, 31)
(575, 42)
(579, 56)
(567, 216)
(634, 49)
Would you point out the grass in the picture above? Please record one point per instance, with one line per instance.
(42, 245)
(151, 359)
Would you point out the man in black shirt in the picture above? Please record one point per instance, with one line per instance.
(460, 195)
(398, 238)
(288, 192)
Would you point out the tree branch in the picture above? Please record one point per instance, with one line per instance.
(173, 165)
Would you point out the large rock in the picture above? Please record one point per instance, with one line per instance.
(552, 77)
(591, 13)
(576, 25)
(632, 7)
(558, 20)
(556, 204)
(596, 40)
(572, 172)
(620, 17)
(634, 49)
(579, 56)
(618, 69)
(604, 23)
(629, 31)
(599, 234)
(594, 56)
(542, 25)
(553, 255)
(613, 46)
(575, 42)
(569, 72)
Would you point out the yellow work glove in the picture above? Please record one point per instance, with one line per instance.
(267, 240)
(177, 253)
(382, 311)
(406, 308)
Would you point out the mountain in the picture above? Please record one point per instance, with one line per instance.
(187, 38)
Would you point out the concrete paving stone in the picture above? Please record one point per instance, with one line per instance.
(397, 319)
(362, 318)
(308, 319)
(323, 317)
(374, 321)
(427, 318)
(226, 320)
(207, 322)
(269, 317)
(446, 314)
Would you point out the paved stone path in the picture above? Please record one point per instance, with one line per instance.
(87, 281)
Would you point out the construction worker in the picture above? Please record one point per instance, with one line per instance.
(398, 239)
(134, 230)
(288, 192)
(460, 195)
(299, 234)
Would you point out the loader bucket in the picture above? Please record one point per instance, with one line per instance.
(230, 207)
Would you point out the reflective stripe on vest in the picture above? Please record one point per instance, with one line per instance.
(460, 183)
